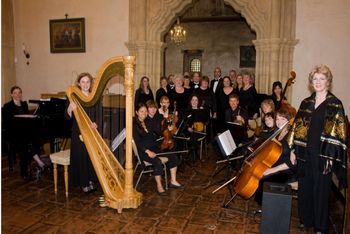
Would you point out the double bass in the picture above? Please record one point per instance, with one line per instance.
(283, 104)
(256, 164)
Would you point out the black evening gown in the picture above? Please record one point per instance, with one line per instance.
(81, 170)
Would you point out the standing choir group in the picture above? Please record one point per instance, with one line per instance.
(313, 144)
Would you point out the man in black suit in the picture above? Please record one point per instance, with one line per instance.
(216, 83)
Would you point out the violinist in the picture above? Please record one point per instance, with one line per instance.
(164, 106)
(147, 148)
(283, 170)
(236, 118)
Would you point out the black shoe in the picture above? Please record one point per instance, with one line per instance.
(175, 186)
(162, 194)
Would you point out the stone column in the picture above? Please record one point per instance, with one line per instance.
(148, 55)
(274, 62)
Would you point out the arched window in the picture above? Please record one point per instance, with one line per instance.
(195, 65)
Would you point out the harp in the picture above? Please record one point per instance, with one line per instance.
(116, 182)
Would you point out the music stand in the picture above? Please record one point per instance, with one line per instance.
(230, 150)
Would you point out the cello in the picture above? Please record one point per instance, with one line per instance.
(256, 164)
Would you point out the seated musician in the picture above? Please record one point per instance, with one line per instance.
(164, 107)
(236, 118)
(25, 149)
(282, 171)
(268, 125)
(197, 119)
(268, 128)
(154, 119)
(148, 148)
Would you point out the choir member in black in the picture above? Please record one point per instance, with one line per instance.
(148, 148)
(25, 150)
(81, 171)
(144, 92)
(180, 95)
(282, 171)
(239, 81)
(196, 80)
(208, 102)
(248, 97)
(207, 96)
(318, 142)
(187, 83)
(233, 77)
(163, 90)
(216, 83)
(222, 104)
(171, 84)
(236, 118)
(197, 119)
(277, 94)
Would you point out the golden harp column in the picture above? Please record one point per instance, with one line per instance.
(129, 63)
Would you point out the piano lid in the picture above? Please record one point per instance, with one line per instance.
(50, 106)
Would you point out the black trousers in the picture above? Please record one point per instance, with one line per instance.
(173, 161)
(313, 194)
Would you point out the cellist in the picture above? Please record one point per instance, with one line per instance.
(283, 171)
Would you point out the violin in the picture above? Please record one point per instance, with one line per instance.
(284, 104)
(168, 141)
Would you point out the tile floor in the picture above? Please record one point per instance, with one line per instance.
(33, 207)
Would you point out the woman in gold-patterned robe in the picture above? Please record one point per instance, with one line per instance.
(318, 143)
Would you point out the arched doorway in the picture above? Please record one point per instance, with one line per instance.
(272, 20)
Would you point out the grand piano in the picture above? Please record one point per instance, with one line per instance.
(46, 125)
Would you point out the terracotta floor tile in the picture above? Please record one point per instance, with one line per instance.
(33, 207)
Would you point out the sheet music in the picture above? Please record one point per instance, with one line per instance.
(227, 142)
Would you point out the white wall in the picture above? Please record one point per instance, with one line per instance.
(107, 28)
(323, 30)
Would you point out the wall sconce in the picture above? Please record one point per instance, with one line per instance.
(26, 53)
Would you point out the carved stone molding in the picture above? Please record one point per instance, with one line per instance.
(272, 20)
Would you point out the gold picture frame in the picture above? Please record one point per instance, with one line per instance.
(67, 35)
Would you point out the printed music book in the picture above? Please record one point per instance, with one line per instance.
(226, 143)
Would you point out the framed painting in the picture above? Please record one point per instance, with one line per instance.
(67, 35)
(247, 56)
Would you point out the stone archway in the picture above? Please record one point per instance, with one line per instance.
(272, 20)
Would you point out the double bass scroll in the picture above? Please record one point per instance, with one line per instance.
(284, 104)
